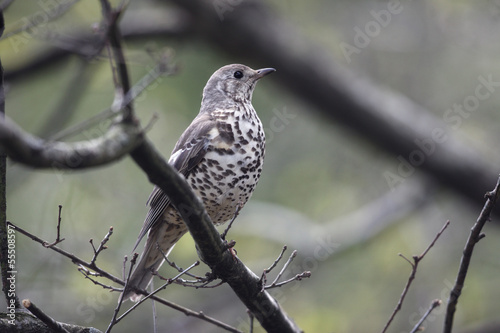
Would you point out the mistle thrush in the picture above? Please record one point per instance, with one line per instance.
(220, 154)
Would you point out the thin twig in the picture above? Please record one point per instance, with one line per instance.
(236, 213)
(135, 92)
(102, 245)
(414, 266)
(263, 277)
(270, 268)
(475, 236)
(124, 267)
(285, 266)
(251, 317)
(46, 319)
(173, 264)
(87, 274)
(150, 295)
(76, 260)
(298, 277)
(58, 236)
(418, 327)
(114, 321)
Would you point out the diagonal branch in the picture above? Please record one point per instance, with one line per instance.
(474, 237)
(211, 248)
(414, 266)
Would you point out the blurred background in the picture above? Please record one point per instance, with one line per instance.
(332, 191)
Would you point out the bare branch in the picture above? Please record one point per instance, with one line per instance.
(169, 281)
(275, 283)
(114, 321)
(236, 213)
(88, 275)
(418, 327)
(297, 277)
(102, 246)
(54, 325)
(102, 273)
(263, 277)
(122, 82)
(475, 236)
(285, 266)
(58, 236)
(25, 148)
(414, 266)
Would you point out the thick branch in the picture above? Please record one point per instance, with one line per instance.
(25, 148)
(210, 246)
(25, 321)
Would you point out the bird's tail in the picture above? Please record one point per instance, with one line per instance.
(150, 261)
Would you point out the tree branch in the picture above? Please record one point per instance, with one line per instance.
(25, 148)
(47, 320)
(418, 327)
(11, 297)
(474, 237)
(102, 273)
(414, 266)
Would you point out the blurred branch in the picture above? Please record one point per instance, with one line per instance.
(251, 30)
(72, 95)
(493, 327)
(474, 237)
(418, 327)
(25, 148)
(414, 266)
(383, 117)
(342, 233)
(10, 296)
(135, 24)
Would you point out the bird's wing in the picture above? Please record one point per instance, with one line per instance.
(188, 152)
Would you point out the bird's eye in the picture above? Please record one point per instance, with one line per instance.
(238, 74)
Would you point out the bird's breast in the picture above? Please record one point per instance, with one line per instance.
(227, 175)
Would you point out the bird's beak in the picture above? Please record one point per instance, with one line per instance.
(263, 72)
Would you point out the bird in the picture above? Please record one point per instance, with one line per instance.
(220, 154)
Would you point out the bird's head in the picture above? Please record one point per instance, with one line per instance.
(235, 82)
